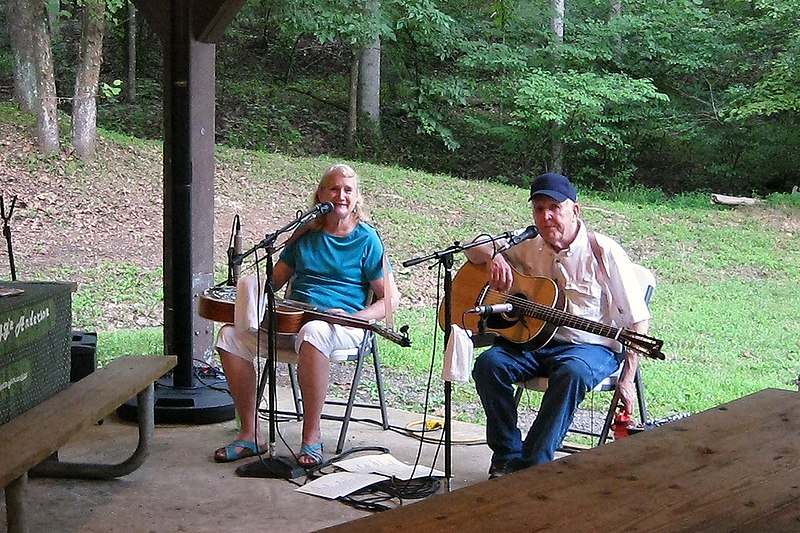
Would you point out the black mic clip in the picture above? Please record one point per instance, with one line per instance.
(314, 212)
(528, 233)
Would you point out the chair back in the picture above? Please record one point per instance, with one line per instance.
(647, 281)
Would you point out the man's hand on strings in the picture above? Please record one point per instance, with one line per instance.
(501, 276)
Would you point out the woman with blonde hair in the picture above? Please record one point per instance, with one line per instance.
(335, 262)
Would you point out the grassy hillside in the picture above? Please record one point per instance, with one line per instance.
(725, 305)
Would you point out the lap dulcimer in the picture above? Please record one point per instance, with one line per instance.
(218, 303)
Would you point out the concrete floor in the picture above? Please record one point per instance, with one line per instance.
(181, 488)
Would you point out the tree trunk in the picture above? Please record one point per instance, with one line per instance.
(84, 109)
(53, 24)
(19, 22)
(46, 107)
(557, 22)
(369, 85)
(352, 108)
(130, 93)
(614, 12)
(369, 80)
(556, 145)
(615, 7)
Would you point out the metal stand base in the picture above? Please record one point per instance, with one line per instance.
(198, 404)
(271, 467)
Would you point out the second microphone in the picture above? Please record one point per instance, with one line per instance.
(495, 309)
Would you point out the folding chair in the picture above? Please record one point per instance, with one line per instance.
(539, 383)
(368, 347)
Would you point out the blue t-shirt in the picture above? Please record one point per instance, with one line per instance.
(335, 272)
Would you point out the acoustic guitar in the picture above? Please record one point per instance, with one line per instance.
(537, 312)
(217, 304)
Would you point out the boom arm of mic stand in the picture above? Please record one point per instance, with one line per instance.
(269, 241)
(455, 248)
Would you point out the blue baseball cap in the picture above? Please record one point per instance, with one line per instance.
(554, 185)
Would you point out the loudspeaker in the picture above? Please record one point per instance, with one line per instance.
(83, 351)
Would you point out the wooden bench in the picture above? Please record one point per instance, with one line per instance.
(30, 441)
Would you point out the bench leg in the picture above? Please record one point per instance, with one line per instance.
(146, 418)
(16, 515)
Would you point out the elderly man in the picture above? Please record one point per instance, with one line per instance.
(574, 361)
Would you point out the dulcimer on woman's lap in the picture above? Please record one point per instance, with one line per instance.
(218, 304)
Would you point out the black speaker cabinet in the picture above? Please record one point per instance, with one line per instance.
(83, 351)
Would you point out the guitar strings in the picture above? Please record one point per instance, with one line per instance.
(532, 308)
(629, 338)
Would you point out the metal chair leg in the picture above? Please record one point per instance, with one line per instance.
(376, 361)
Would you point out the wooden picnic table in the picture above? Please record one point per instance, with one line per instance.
(735, 467)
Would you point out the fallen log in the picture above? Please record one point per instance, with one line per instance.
(734, 200)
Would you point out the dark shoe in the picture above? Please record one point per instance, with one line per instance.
(497, 471)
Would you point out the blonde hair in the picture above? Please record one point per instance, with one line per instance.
(345, 171)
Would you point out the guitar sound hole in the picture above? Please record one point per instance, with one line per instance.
(501, 321)
(507, 320)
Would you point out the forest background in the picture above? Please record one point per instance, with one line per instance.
(678, 95)
(649, 105)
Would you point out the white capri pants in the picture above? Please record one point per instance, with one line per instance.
(323, 336)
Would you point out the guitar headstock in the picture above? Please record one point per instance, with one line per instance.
(645, 345)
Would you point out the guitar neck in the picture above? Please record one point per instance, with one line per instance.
(355, 322)
(533, 297)
(644, 344)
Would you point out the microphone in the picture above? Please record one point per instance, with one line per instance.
(495, 309)
(314, 212)
(237, 250)
(528, 233)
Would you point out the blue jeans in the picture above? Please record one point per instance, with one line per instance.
(572, 371)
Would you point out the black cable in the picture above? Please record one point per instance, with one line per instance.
(370, 498)
(316, 469)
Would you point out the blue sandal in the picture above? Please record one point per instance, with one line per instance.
(228, 453)
(312, 453)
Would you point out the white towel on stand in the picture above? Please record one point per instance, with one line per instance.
(458, 355)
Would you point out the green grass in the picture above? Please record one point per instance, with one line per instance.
(113, 344)
(121, 289)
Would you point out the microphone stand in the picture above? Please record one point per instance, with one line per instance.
(271, 466)
(235, 251)
(7, 233)
(445, 258)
